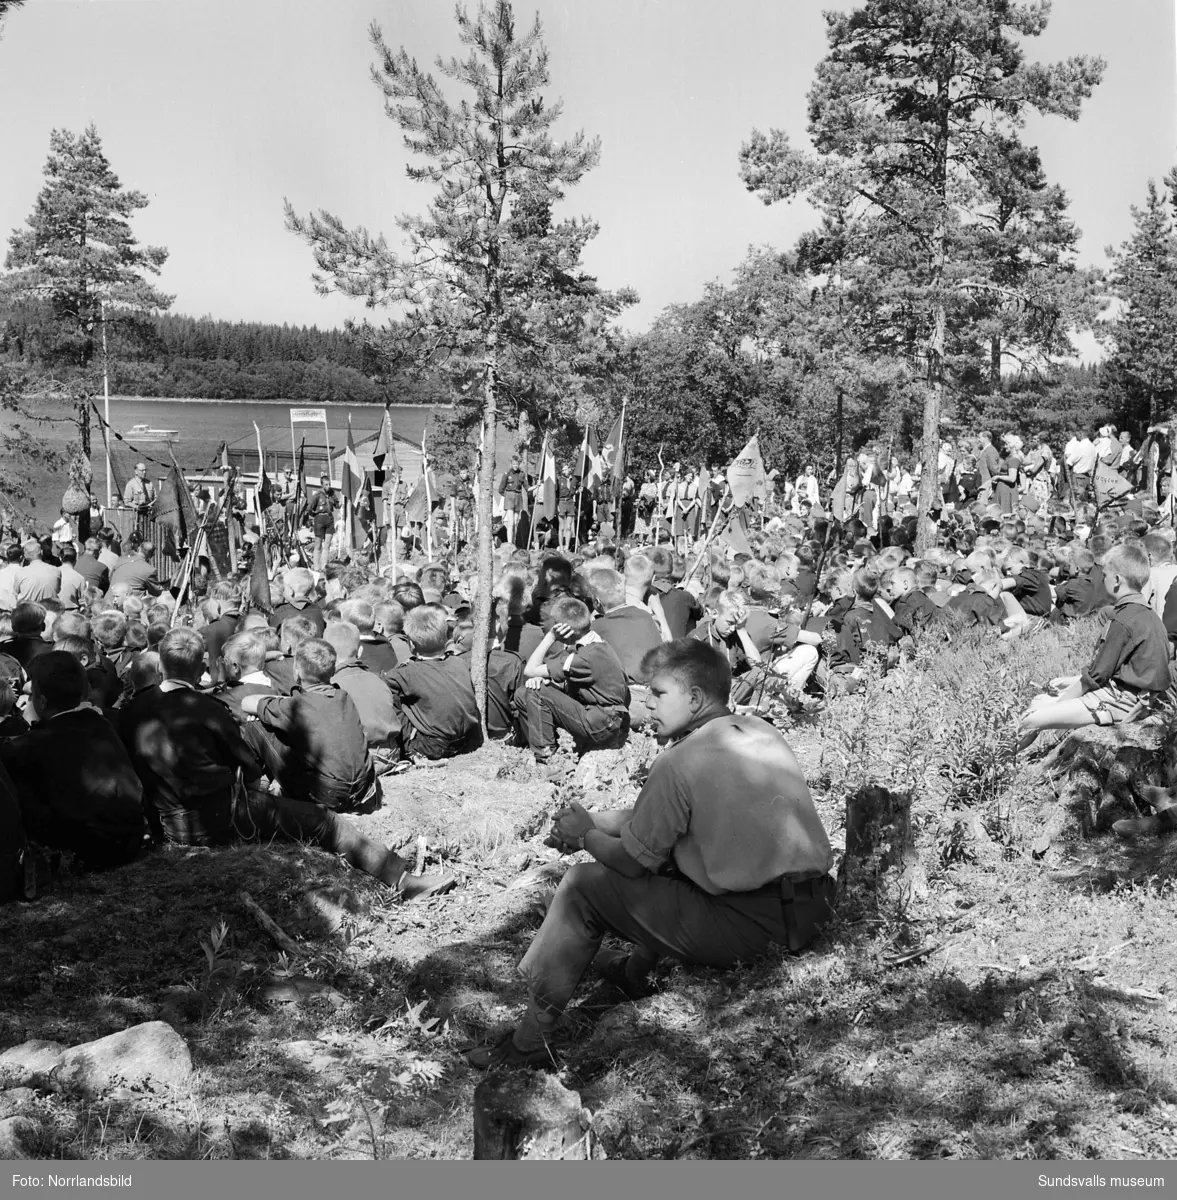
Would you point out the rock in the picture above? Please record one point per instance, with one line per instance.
(301, 987)
(14, 1099)
(16, 1137)
(20, 1065)
(151, 1054)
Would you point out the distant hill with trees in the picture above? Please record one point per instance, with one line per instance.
(209, 359)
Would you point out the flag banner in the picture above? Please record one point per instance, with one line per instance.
(1109, 484)
(546, 497)
(735, 536)
(417, 505)
(613, 451)
(350, 474)
(383, 441)
(746, 476)
(259, 580)
(169, 512)
(589, 466)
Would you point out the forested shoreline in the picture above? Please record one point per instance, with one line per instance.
(203, 358)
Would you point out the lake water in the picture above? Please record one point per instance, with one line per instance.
(202, 425)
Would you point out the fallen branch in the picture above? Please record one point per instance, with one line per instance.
(903, 959)
(277, 934)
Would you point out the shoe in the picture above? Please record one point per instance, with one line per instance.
(420, 887)
(1161, 799)
(610, 966)
(504, 1053)
(1135, 827)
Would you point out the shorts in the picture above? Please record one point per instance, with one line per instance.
(512, 501)
(1113, 702)
(324, 526)
(566, 508)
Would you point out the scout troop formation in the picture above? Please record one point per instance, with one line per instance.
(124, 722)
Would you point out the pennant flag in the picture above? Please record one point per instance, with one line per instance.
(259, 580)
(589, 467)
(367, 510)
(265, 495)
(225, 457)
(546, 497)
(613, 451)
(746, 476)
(735, 536)
(351, 478)
(383, 441)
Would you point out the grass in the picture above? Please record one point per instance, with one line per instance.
(1038, 1022)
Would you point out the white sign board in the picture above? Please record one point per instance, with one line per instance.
(307, 416)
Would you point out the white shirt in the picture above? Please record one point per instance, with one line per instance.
(1086, 456)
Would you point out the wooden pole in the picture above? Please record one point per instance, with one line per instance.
(719, 511)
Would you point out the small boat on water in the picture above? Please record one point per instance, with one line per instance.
(146, 433)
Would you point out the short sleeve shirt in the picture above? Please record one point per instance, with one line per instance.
(729, 806)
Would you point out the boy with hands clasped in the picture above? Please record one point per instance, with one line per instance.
(722, 855)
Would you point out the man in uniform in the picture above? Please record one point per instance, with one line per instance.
(722, 855)
(139, 492)
(322, 510)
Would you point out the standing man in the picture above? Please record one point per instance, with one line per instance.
(1081, 456)
(511, 488)
(323, 508)
(139, 492)
(988, 465)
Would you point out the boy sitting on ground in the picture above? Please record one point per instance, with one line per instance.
(1131, 662)
(189, 752)
(722, 856)
(433, 690)
(581, 688)
(371, 695)
(913, 611)
(317, 750)
(77, 788)
(629, 628)
(979, 602)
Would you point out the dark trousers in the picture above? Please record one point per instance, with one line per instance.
(547, 710)
(661, 915)
(260, 817)
(300, 781)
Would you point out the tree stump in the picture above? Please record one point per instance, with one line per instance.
(881, 856)
(530, 1114)
(1102, 769)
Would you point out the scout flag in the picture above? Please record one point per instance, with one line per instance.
(545, 499)
(589, 467)
(746, 476)
(613, 451)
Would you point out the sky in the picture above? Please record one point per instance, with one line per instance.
(219, 109)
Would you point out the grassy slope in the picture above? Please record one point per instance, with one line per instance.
(1020, 1036)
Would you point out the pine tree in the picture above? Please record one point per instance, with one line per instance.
(1143, 369)
(490, 284)
(78, 254)
(913, 114)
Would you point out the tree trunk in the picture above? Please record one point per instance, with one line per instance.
(530, 1114)
(882, 863)
(484, 597)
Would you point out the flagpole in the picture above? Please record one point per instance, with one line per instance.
(428, 501)
(106, 402)
(714, 525)
(257, 491)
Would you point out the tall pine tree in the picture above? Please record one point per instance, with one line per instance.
(1143, 369)
(489, 283)
(914, 113)
(78, 256)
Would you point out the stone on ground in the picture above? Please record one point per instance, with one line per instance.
(149, 1055)
(20, 1065)
(16, 1137)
